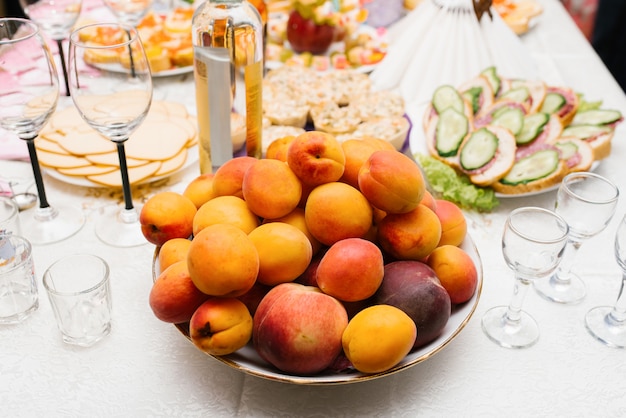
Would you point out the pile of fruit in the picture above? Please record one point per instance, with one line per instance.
(323, 256)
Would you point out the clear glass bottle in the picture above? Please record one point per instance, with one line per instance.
(228, 70)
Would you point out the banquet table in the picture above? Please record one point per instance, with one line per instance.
(146, 368)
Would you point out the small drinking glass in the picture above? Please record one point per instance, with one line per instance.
(78, 287)
(113, 100)
(9, 217)
(587, 202)
(532, 244)
(129, 12)
(608, 323)
(18, 288)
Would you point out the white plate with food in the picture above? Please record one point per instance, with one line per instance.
(247, 360)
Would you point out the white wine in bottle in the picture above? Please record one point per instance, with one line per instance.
(228, 71)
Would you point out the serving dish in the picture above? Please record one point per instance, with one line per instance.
(246, 360)
(156, 74)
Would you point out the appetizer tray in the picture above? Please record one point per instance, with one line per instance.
(247, 360)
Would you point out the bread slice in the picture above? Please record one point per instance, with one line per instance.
(478, 92)
(535, 172)
(577, 154)
(598, 137)
(500, 163)
(565, 111)
(537, 90)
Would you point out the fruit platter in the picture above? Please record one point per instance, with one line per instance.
(515, 137)
(312, 265)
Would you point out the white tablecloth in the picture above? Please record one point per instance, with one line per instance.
(146, 368)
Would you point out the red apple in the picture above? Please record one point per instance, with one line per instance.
(304, 35)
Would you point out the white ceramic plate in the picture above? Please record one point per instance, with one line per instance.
(417, 144)
(118, 68)
(192, 158)
(248, 361)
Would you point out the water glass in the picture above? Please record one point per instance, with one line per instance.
(9, 217)
(79, 291)
(18, 288)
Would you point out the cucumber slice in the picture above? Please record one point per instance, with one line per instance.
(585, 131)
(472, 95)
(596, 117)
(493, 78)
(519, 94)
(533, 126)
(452, 127)
(447, 96)
(552, 103)
(567, 149)
(534, 167)
(510, 118)
(479, 149)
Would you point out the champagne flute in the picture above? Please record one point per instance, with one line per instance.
(56, 18)
(129, 12)
(113, 97)
(533, 242)
(608, 323)
(587, 201)
(28, 97)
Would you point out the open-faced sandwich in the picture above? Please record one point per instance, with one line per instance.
(516, 136)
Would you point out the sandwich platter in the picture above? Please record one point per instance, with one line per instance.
(518, 137)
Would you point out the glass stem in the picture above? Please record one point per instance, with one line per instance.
(513, 312)
(128, 198)
(567, 261)
(63, 66)
(34, 162)
(619, 310)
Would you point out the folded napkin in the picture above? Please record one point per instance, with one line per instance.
(11, 147)
(443, 42)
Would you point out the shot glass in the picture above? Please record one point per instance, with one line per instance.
(18, 288)
(9, 217)
(78, 287)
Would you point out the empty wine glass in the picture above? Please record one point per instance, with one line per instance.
(28, 97)
(587, 201)
(129, 12)
(532, 244)
(608, 323)
(56, 18)
(113, 95)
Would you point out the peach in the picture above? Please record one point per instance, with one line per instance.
(414, 288)
(456, 272)
(297, 218)
(271, 189)
(200, 189)
(335, 211)
(223, 261)
(230, 210)
(298, 328)
(220, 326)
(429, 201)
(410, 236)
(316, 158)
(378, 338)
(453, 223)
(172, 251)
(391, 181)
(351, 270)
(309, 277)
(284, 252)
(167, 215)
(173, 296)
(357, 152)
(277, 149)
(229, 177)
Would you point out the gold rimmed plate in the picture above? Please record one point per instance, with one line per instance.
(248, 361)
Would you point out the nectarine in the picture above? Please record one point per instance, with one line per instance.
(316, 158)
(453, 223)
(200, 189)
(167, 215)
(456, 272)
(271, 189)
(231, 210)
(229, 177)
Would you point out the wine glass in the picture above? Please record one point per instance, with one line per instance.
(28, 97)
(111, 87)
(129, 12)
(608, 323)
(587, 201)
(56, 18)
(533, 242)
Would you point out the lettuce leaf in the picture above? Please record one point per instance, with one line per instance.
(450, 185)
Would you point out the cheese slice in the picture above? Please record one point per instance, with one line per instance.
(89, 170)
(135, 175)
(86, 144)
(51, 159)
(172, 164)
(156, 141)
